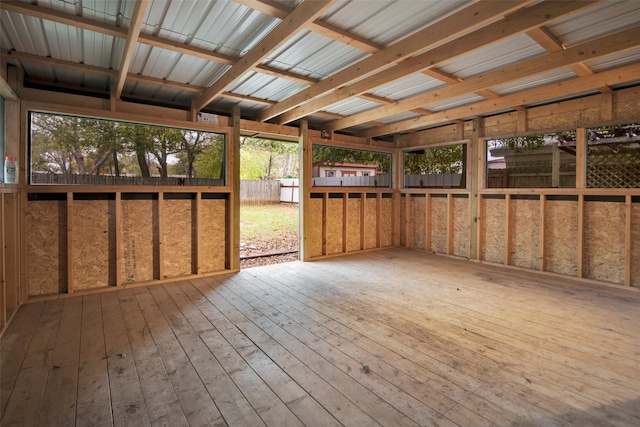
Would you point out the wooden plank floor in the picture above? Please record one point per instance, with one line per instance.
(446, 342)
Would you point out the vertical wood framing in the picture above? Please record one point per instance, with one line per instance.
(555, 166)
(543, 204)
(118, 239)
(398, 184)
(475, 180)
(606, 105)
(427, 222)
(70, 281)
(160, 236)
(363, 229)
(581, 158)
(3, 278)
(379, 220)
(507, 229)
(345, 208)
(325, 207)
(580, 236)
(304, 190)
(449, 223)
(198, 240)
(407, 220)
(628, 241)
(233, 162)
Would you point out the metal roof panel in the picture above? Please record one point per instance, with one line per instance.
(534, 81)
(408, 87)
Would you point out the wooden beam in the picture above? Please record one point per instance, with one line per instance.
(161, 241)
(139, 11)
(119, 262)
(581, 158)
(606, 105)
(296, 20)
(514, 24)
(550, 43)
(589, 50)
(304, 190)
(476, 153)
(70, 272)
(233, 181)
(554, 90)
(446, 29)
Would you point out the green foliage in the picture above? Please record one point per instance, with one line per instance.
(268, 159)
(332, 155)
(449, 159)
(521, 143)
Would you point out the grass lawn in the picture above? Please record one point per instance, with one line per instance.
(268, 221)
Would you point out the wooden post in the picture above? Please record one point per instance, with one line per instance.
(398, 176)
(198, 240)
(555, 166)
(304, 190)
(3, 266)
(363, 204)
(450, 220)
(628, 241)
(507, 229)
(580, 235)
(233, 171)
(427, 222)
(118, 238)
(325, 205)
(160, 236)
(379, 220)
(475, 161)
(581, 158)
(345, 208)
(543, 254)
(407, 220)
(70, 283)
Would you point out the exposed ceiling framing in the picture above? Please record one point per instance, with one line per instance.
(372, 69)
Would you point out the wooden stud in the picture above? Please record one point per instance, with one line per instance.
(118, 239)
(555, 166)
(197, 267)
(3, 278)
(449, 223)
(233, 177)
(363, 203)
(580, 235)
(475, 180)
(543, 254)
(379, 220)
(325, 205)
(345, 208)
(581, 158)
(160, 236)
(507, 229)
(70, 281)
(407, 220)
(304, 189)
(628, 241)
(427, 222)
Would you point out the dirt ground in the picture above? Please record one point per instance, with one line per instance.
(268, 245)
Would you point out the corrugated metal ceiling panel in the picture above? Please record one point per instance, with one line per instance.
(407, 115)
(607, 17)
(618, 59)
(493, 57)
(386, 22)
(352, 106)
(454, 102)
(531, 82)
(407, 87)
(266, 86)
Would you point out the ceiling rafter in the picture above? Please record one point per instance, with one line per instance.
(304, 13)
(443, 30)
(550, 43)
(589, 50)
(317, 26)
(575, 86)
(139, 11)
(516, 23)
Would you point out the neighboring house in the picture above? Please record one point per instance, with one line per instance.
(336, 170)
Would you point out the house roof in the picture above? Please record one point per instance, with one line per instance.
(360, 67)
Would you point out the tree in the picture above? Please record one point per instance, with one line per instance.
(331, 155)
(449, 159)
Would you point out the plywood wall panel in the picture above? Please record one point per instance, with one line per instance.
(560, 236)
(635, 242)
(604, 237)
(353, 224)
(386, 238)
(93, 254)
(315, 227)
(46, 241)
(461, 226)
(439, 219)
(178, 237)
(493, 231)
(334, 225)
(418, 206)
(370, 230)
(525, 233)
(139, 236)
(212, 239)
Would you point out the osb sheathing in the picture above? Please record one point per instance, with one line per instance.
(635, 241)
(604, 236)
(560, 237)
(460, 226)
(139, 236)
(315, 227)
(386, 238)
(525, 233)
(370, 224)
(93, 254)
(353, 224)
(493, 223)
(334, 225)
(439, 219)
(417, 222)
(46, 241)
(178, 237)
(212, 235)
(403, 221)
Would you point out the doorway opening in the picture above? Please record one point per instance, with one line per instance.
(269, 217)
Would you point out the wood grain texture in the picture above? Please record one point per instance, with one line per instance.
(335, 212)
(439, 219)
(212, 242)
(561, 228)
(460, 226)
(447, 342)
(314, 220)
(604, 241)
(354, 207)
(417, 222)
(493, 230)
(525, 233)
(139, 228)
(178, 237)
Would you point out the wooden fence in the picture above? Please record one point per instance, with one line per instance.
(263, 192)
